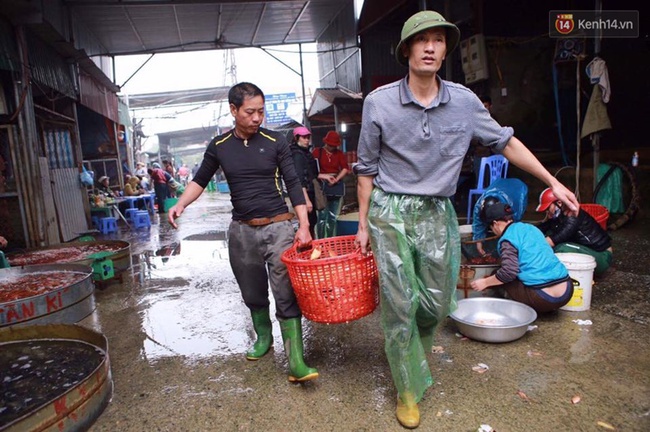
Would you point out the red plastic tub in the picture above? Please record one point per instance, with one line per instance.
(598, 212)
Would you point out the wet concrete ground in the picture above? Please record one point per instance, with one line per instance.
(177, 332)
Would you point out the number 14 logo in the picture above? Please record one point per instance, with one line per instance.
(564, 23)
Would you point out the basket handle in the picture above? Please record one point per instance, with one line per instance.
(296, 246)
(361, 256)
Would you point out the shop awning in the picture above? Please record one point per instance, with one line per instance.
(330, 105)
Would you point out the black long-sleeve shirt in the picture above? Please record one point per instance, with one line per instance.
(306, 167)
(254, 169)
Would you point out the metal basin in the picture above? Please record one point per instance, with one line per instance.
(121, 254)
(74, 391)
(492, 319)
(67, 304)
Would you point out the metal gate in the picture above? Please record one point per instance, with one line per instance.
(67, 191)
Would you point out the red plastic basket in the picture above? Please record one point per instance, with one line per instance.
(340, 286)
(598, 212)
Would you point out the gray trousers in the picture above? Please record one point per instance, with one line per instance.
(255, 254)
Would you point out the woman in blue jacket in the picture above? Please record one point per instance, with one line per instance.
(530, 272)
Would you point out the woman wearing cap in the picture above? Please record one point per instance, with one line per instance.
(415, 133)
(333, 167)
(307, 171)
(104, 188)
(577, 234)
(140, 169)
(530, 272)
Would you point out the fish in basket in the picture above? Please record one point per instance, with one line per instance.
(333, 281)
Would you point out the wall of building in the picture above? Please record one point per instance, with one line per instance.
(339, 58)
(520, 57)
(41, 85)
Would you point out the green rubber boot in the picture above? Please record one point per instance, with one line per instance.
(292, 338)
(262, 325)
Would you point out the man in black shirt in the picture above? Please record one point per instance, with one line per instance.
(255, 161)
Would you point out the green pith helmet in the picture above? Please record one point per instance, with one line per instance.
(422, 21)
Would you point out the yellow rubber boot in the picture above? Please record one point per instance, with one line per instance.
(408, 413)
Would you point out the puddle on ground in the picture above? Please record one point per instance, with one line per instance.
(190, 303)
(195, 324)
(191, 256)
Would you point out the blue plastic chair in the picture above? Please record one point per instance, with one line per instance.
(496, 167)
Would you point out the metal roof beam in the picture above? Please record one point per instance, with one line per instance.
(295, 22)
(134, 28)
(259, 24)
(178, 26)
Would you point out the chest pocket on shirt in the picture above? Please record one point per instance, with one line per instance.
(454, 140)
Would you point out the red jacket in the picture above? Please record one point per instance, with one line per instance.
(158, 176)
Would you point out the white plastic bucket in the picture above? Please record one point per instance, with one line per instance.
(581, 268)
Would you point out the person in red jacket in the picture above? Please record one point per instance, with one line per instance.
(169, 168)
(159, 181)
(333, 167)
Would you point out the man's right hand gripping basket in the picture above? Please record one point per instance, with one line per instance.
(334, 282)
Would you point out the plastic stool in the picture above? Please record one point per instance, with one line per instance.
(102, 266)
(130, 213)
(108, 225)
(95, 221)
(141, 219)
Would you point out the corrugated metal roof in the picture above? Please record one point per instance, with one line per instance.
(324, 98)
(141, 26)
(180, 97)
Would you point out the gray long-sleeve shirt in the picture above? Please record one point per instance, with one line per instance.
(417, 150)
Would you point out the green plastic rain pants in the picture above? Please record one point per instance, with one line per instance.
(416, 245)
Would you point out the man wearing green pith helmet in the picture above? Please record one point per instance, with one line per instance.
(414, 135)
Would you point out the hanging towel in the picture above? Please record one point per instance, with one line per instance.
(597, 73)
(596, 118)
